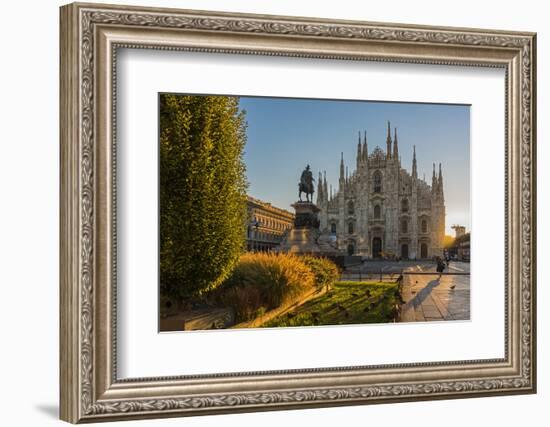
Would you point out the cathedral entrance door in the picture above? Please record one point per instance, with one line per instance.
(376, 247)
(405, 251)
(423, 250)
(351, 249)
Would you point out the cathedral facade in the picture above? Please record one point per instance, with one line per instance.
(380, 209)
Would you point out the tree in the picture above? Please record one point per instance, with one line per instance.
(202, 192)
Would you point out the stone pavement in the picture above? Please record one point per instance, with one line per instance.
(430, 298)
(198, 319)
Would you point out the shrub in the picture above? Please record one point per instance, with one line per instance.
(264, 281)
(325, 271)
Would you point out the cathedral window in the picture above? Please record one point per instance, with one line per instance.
(404, 226)
(377, 211)
(405, 205)
(424, 226)
(377, 182)
(350, 228)
(351, 209)
(333, 228)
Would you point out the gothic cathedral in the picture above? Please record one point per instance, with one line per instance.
(380, 210)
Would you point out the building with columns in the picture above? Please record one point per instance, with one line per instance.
(267, 225)
(380, 209)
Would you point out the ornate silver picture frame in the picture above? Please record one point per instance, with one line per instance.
(91, 390)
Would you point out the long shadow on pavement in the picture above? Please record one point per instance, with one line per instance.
(423, 293)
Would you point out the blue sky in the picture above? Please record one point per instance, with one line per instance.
(284, 135)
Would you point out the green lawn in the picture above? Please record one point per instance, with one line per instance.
(345, 303)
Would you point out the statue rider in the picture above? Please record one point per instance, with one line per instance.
(306, 184)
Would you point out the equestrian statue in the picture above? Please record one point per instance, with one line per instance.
(306, 185)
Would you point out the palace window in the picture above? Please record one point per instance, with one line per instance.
(424, 226)
(351, 209)
(404, 226)
(377, 182)
(404, 205)
(377, 211)
(333, 228)
(350, 228)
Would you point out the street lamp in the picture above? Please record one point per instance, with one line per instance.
(256, 225)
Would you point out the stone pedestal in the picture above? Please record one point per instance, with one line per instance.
(302, 238)
(307, 215)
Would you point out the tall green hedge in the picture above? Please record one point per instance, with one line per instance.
(202, 192)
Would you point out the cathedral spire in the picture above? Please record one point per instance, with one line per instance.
(414, 168)
(325, 192)
(395, 148)
(434, 181)
(320, 195)
(365, 147)
(359, 151)
(388, 142)
(342, 166)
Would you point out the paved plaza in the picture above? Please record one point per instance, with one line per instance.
(430, 297)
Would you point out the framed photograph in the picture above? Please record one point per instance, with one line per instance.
(266, 212)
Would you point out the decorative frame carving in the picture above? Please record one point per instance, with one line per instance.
(90, 36)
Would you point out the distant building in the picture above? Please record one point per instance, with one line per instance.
(460, 230)
(381, 209)
(267, 225)
(460, 249)
(463, 247)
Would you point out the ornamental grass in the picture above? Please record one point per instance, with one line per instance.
(264, 281)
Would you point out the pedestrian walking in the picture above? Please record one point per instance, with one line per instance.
(440, 266)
